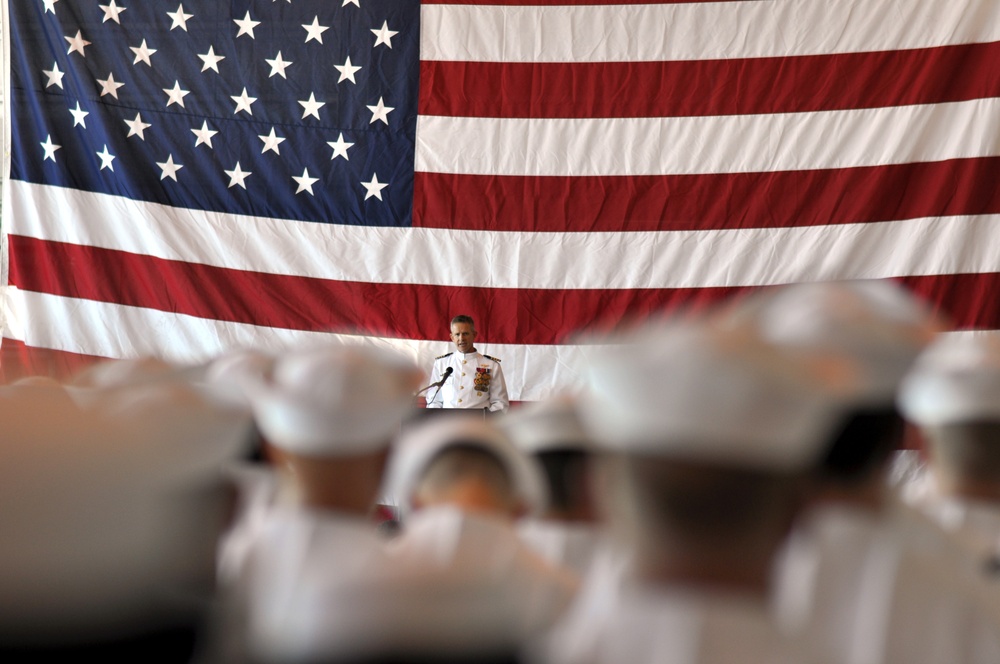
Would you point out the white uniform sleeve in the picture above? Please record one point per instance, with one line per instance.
(433, 396)
(499, 403)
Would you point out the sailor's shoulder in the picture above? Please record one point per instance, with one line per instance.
(441, 357)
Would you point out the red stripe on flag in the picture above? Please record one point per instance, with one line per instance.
(709, 87)
(19, 360)
(411, 311)
(707, 202)
(509, 316)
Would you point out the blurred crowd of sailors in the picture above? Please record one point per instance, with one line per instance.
(729, 486)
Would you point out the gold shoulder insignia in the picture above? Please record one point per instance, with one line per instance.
(489, 357)
(441, 357)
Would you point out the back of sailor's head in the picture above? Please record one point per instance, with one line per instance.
(330, 412)
(953, 396)
(551, 431)
(444, 456)
(877, 327)
(710, 430)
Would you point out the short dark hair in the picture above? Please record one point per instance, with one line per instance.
(566, 470)
(463, 458)
(462, 318)
(864, 445)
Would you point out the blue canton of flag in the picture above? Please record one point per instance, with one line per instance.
(301, 109)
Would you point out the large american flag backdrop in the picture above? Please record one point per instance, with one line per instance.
(191, 177)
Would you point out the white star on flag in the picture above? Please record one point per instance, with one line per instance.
(237, 176)
(79, 116)
(211, 60)
(142, 53)
(271, 142)
(380, 112)
(340, 147)
(169, 168)
(110, 86)
(204, 135)
(106, 158)
(305, 182)
(374, 187)
(176, 95)
(346, 71)
(311, 106)
(351, 2)
(243, 103)
(278, 66)
(111, 12)
(247, 25)
(50, 148)
(50, 5)
(77, 43)
(315, 30)
(137, 126)
(384, 35)
(179, 18)
(55, 76)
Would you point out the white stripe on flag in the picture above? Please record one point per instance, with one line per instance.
(110, 330)
(714, 144)
(699, 30)
(668, 259)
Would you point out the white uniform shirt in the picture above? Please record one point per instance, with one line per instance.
(476, 382)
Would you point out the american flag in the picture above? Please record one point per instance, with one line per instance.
(191, 177)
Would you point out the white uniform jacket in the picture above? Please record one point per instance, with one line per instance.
(476, 381)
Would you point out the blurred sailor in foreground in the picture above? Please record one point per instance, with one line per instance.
(461, 485)
(953, 395)
(850, 536)
(714, 434)
(110, 517)
(568, 532)
(329, 412)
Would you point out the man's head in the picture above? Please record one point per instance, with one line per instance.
(551, 431)
(712, 433)
(329, 413)
(464, 462)
(463, 333)
(876, 327)
(953, 395)
(469, 477)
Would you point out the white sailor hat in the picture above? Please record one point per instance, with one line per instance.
(335, 399)
(957, 379)
(233, 374)
(127, 372)
(693, 391)
(546, 425)
(187, 427)
(876, 324)
(420, 443)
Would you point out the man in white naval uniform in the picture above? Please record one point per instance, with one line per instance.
(475, 380)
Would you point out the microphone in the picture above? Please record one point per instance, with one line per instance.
(440, 383)
(447, 373)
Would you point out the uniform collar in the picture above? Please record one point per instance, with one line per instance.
(467, 356)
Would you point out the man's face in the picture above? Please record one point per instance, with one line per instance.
(463, 335)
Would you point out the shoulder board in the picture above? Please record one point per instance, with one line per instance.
(441, 357)
(489, 357)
